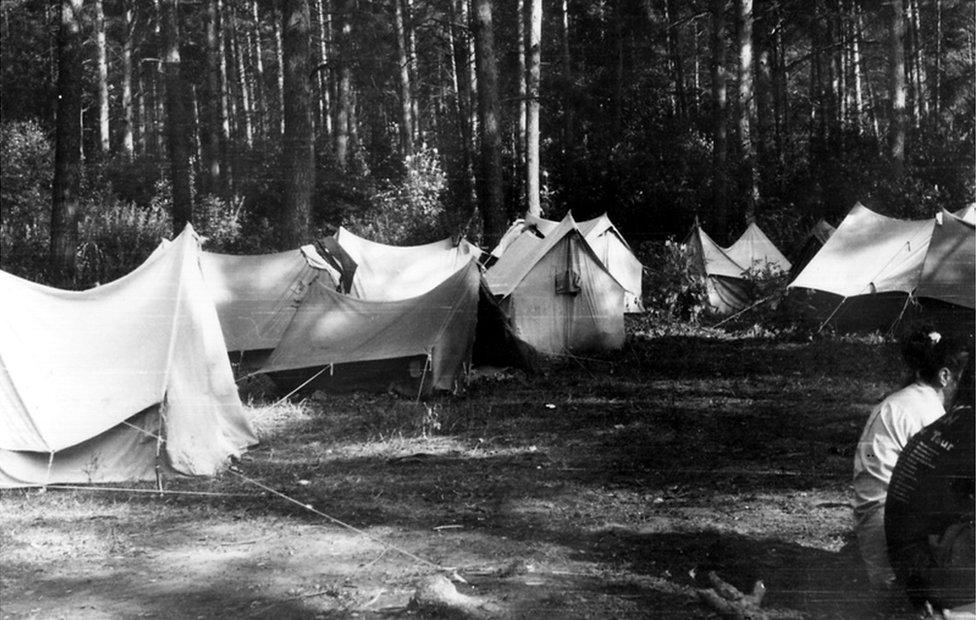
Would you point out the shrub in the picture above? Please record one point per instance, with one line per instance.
(673, 291)
(410, 211)
(25, 198)
(115, 237)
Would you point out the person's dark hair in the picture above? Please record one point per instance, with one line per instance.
(926, 350)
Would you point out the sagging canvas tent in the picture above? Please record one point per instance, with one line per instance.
(90, 380)
(873, 265)
(605, 240)
(351, 343)
(556, 293)
(723, 277)
(257, 296)
(389, 273)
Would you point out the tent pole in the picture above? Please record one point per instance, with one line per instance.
(827, 320)
(423, 376)
(891, 328)
(159, 444)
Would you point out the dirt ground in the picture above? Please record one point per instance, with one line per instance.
(595, 488)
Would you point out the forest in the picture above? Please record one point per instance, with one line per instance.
(268, 123)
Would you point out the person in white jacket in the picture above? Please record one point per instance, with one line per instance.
(937, 362)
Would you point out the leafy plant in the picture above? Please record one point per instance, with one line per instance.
(673, 291)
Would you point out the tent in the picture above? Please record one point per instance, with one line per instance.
(754, 250)
(878, 263)
(256, 296)
(724, 284)
(388, 273)
(808, 247)
(557, 294)
(605, 240)
(120, 382)
(425, 340)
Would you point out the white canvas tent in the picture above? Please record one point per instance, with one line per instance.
(389, 273)
(557, 294)
(426, 339)
(605, 240)
(874, 258)
(82, 372)
(753, 249)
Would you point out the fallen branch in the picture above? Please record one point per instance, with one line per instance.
(729, 602)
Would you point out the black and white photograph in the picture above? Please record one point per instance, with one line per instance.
(482, 309)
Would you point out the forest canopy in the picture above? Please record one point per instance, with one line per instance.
(266, 122)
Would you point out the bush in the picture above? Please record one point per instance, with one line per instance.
(116, 237)
(25, 198)
(410, 211)
(673, 291)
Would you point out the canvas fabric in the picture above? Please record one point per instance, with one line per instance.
(557, 294)
(754, 249)
(724, 284)
(949, 270)
(77, 365)
(390, 273)
(815, 239)
(871, 253)
(605, 240)
(332, 328)
(256, 296)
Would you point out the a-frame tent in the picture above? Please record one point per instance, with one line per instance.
(874, 265)
(557, 294)
(724, 283)
(122, 382)
(339, 342)
(389, 273)
(607, 243)
(754, 250)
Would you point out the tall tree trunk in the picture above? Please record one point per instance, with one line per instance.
(226, 102)
(719, 129)
(281, 72)
(344, 113)
(259, 101)
(159, 88)
(67, 145)
(534, 68)
(243, 83)
(298, 166)
(896, 86)
(937, 87)
(765, 110)
(217, 126)
(102, 62)
(618, 84)
(140, 129)
(490, 197)
(411, 35)
(921, 99)
(459, 34)
(177, 118)
(128, 143)
(569, 140)
(523, 96)
(197, 128)
(675, 59)
(858, 115)
(325, 89)
(697, 96)
(403, 75)
(747, 108)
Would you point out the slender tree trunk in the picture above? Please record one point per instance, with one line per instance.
(128, 144)
(344, 114)
(697, 96)
(462, 86)
(719, 130)
(490, 196)
(533, 81)
(747, 108)
(140, 131)
(858, 115)
(567, 61)
(67, 145)
(298, 166)
(325, 89)
(921, 98)
(765, 110)
(618, 87)
(281, 73)
(177, 118)
(159, 89)
(472, 73)
(411, 35)
(523, 95)
(217, 126)
(403, 75)
(937, 88)
(260, 95)
(242, 81)
(896, 86)
(102, 62)
(197, 141)
(676, 60)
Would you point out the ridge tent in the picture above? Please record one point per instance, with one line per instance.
(605, 240)
(754, 249)
(724, 284)
(256, 296)
(557, 295)
(808, 247)
(388, 272)
(425, 339)
(81, 372)
(873, 265)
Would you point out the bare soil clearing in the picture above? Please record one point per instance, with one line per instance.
(598, 488)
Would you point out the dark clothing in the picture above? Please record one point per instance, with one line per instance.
(931, 492)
